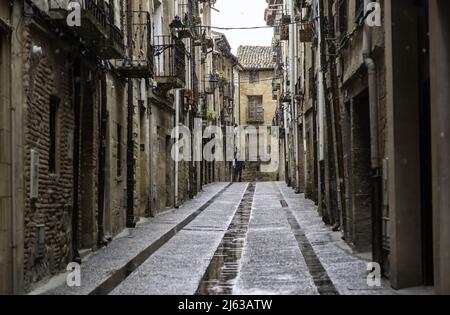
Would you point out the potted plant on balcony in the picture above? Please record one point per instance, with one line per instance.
(211, 115)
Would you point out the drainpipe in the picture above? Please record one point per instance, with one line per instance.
(12, 117)
(102, 161)
(76, 156)
(373, 108)
(177, 122)
(305, 147)
(130, 137)
(292, 69)
(374, 145)
(150, 140)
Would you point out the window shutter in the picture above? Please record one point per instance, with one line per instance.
(255, 109)
(260, 112)
(251, 108)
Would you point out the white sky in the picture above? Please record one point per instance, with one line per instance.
(242, 13)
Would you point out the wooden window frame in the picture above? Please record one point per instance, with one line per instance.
(255, 110)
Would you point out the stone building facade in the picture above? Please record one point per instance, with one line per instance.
(223, 103)
(370, 106)
(87, 114)
(257, 107)
(11, 152)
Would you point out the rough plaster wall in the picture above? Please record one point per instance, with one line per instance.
(116, 184)
(164, 171)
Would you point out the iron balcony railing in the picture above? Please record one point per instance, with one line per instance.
(185, 10)
(100, 28)
(139, 62)
(170, 60)
(187, 21)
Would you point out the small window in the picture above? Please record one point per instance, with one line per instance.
(343, 17)
(119, 151)
(255, 109)
(254, 77)
(53, 128)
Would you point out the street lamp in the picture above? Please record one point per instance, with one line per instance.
(213, 81)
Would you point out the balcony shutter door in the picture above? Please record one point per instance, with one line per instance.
(255, 109)
(259, 112)
(251, 108)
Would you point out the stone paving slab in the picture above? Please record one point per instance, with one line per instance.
(272, 262)
(101, 264)
(347, 271)
(178, 267)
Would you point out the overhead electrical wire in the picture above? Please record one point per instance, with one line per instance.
(248, 27)
(246, 82)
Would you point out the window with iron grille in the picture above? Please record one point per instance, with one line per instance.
(343, 17)
(255, 109)
(53, 128)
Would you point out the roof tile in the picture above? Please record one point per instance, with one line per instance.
(256, 57)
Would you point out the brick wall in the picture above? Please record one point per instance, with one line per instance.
(49, 76)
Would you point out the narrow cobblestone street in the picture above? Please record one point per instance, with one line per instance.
(211, 246)
(208, 148)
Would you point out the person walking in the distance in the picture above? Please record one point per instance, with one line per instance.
(238, 166)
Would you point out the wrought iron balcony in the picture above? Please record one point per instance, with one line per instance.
(98, 30)
(139, 62)
(170, 62)
(187, 22)
(185, 14)
(228, 89)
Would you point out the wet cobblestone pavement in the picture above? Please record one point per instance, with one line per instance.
(244, 238)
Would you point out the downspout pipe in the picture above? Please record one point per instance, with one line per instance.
(370, 64)
(76, 156)
(176, 157)
(12, 112)
(150, 147)
(292, 70)
(130, 221)
(304, 139)
(102, 161)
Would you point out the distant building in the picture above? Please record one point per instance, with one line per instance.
(257, 107)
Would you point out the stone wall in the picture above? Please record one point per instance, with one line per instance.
(252, 171)
(5, 167)
(263, 88)
(115, 210)
(163, 165)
